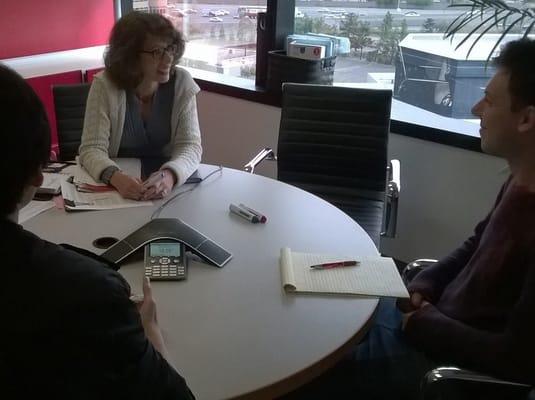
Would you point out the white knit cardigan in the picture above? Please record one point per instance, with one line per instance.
(104, 122)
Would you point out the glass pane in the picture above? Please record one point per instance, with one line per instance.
(220, 37)
(399, 44)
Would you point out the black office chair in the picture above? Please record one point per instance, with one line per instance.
(333, 143)
(69, 104)
(455, 383)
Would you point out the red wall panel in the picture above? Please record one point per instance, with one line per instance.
(39, 26)
(90, 73)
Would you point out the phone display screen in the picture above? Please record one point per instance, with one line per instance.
(165, 249)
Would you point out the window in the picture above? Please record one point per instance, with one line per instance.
(220, 37)
(400, 45)
(396, 44)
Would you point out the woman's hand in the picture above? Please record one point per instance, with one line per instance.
(159, 184)
(128, 187)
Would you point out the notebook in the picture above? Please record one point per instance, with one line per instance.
(373, 276)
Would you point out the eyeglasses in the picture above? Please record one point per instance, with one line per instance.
(158, 52)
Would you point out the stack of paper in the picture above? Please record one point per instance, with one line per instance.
(53, 174)
(51, 183)
(87, 194)
(32, 209)
(373, 276)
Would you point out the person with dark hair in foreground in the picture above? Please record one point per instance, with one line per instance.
(142, 106)
(475, 308)
(69, 330)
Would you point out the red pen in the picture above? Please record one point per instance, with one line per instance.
(335, 264)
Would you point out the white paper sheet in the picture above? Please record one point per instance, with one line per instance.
(373, 276)
(78, 201)
(34, 208)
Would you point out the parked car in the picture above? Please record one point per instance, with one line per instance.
(216, 19)
(411, 14)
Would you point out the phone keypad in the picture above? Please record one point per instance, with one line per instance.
(165, 268)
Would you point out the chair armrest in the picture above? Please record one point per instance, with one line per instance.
(414, 267)
(394, 176)
(431, 383)
(264, 154)
(393, 188)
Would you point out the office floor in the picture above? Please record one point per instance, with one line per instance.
(339, 384)
(333, 384)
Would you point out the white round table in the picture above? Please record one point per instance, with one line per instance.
(233, 332)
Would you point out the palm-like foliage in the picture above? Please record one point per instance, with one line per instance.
(484, 15)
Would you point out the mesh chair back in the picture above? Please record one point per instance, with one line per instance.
(333, 143)
(69, 103)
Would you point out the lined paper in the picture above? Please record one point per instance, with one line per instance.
(373, 276)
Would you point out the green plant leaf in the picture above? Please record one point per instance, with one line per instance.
(528, 29)
(499, 15)
(477, 28)
(500, 39)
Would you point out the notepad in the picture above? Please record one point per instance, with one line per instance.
(373, 276)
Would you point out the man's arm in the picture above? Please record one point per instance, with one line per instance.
(508, 354)
(140, 361)
(149, 319)
(430, 282)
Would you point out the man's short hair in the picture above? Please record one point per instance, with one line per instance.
(24, 136)
(127, 38)
(518, 58)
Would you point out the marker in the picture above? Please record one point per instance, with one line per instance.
(337, 264)
(244, 213)
(262, 218)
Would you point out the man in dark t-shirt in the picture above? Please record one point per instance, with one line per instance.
(475, 308)
(69, 329)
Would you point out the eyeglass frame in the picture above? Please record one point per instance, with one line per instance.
(171, 50)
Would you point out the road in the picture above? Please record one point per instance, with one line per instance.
(331, 15)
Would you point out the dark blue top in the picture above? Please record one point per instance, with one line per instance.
(146, 138)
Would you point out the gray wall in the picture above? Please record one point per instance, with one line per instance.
(445, 190)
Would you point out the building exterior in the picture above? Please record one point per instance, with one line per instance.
(431, 73)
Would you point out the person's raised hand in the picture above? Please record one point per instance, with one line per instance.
(147, 308)
(127, 186)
